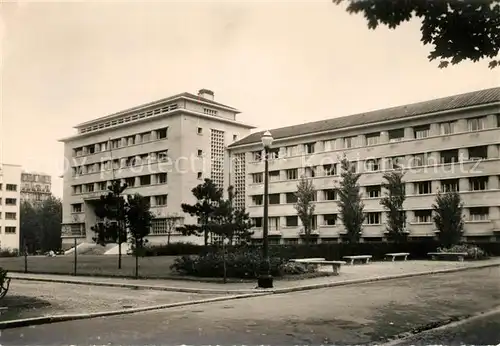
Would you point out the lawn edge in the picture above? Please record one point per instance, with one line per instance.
(25, 322)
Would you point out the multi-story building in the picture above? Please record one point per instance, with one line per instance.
(450, 143)
(35, 187)
(161, 150)
(10, 182)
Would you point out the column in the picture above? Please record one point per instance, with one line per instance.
(123, 162)
(409, 134)
(463, 184)
(433, 158)
(493, 151)
(153, 179)
(434, 130)
(137, 181)
(361, 141)
(463, 154)
(491, 121)
(435, 186)
(339, 143)
(494, 213)
(123, 142)
(282, 152)
(461, 125)
(384, 137)
(493, 183)
(409, 188)
(154, 135)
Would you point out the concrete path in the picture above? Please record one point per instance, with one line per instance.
(372, 271)
(353, 315)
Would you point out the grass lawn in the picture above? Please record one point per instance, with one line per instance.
(157, 267)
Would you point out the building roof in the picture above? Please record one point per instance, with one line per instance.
(149, 104)
(420, 108)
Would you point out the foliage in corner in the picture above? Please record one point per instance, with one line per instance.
(4, 282)
(350, 205)
(393, 204)
(139, 218)
(458, 30)
(304, 205)
(448, 218)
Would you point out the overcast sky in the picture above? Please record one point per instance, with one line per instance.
(280, 63)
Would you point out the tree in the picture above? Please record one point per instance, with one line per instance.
(111, 210)
(350, 206)
(29, 227)
(208, 197)
(393, 204)
(304, 206)
(458, 30)
(448, 218)
(172, 222)
(139, 217)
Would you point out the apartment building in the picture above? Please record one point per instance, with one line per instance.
(161, 150)
(450, 143)
(10, 182)
(35, 187)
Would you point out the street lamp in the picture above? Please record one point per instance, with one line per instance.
(265, 279)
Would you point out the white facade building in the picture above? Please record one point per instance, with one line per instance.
(452, 143)
(10, 200)
(162, 150)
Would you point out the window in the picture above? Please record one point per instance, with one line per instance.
(292, 221)
(373, 218)
(450, 185)
(476, 124)
(330, 219)
(274, 223)
(329, 145)
(292, 150)
(419, 160)
(104, 146)
(91, 149)
(162, 133)
(396, 135)
(449, 156)
(373, 165)
(257, 222)
(478, 183)
(479, 214)
(130, 140)
(478, 153)
(161, 178)
(310, 172)
(290, 241)
(395, 162)
(372, 139)
(10, 229)
(273, 154)
(11, 187)
(257, 178)
(423, 188)
(145, 180)
(76, 208)
(292, 174)
(257, 155)
(447, 128)
(349, 142)
(199, 175)
(291, 197)
(423, 216)
(235, 137)
(329, 195)
(130, 182)
(115, 143)
(89, 187)
(274, 175)
(10, 216)
(78, 151)
(422, 131)
(257, 200)
(329, 170)
(162, 155)
(373, 191)
(309, 148)
(77, 189)
(199, 130)
(145, 137)
(101, 186)
(274, 198)
(159, 226)
(200, 152)
(161, 200)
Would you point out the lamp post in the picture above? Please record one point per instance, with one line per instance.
(265, 279)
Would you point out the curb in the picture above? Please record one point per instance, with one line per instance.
(253, 291)
(471, 318)
(63, 318)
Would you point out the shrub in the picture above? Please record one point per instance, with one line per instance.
(173, 249)
(243, 264)
(9, 252)
(473, 251)
(295, 268)
(4, 282)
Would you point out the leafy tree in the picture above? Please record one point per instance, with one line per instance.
(29, 227)
(304, 206)
(350, 206)
(448, 218)
(139, 219)
(393, 204)
(458, 30)
(172, 223)
(111, 209)
(208, 197)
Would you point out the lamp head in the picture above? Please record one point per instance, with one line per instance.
(267, 139)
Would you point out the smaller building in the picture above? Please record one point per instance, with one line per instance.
(36, 187)
(10, 183)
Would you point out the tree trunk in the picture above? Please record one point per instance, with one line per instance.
(224, 260)
(168, 238)
(136, 260)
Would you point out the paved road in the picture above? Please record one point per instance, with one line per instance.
(340, 315)
(484, 331)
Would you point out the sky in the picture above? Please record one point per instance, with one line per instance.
(281, 63)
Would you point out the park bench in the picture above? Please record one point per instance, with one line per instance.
(305, 260)
(366, 258)
(458, 255)
(398, 254)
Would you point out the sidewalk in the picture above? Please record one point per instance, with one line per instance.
(348, 275)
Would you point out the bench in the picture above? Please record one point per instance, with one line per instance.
(335, 265)
(366, 258)
(305, 260)
(398, 254)
(459, 255)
